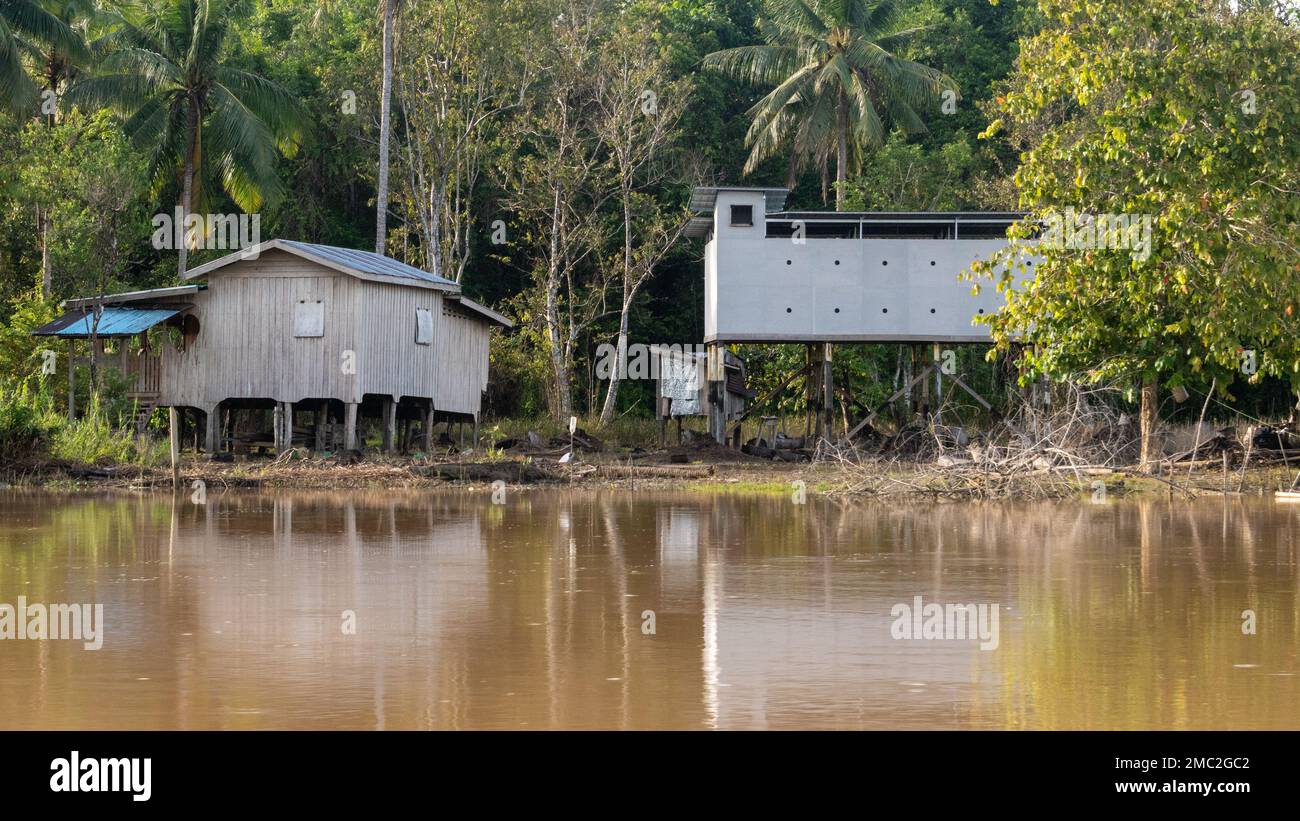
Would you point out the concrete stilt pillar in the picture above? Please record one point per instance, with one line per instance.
(390, 424)
(349, 425)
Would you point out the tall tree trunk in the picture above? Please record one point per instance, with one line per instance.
(562, 405)
(624, 322)
(385, 125)
(1148, 417)
(841, 151)
(42, 215)
(47, 268)
(561, 400)
(187, 183)
(611, 394)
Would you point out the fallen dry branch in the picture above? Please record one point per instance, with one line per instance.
(513, 472)
(655, 471)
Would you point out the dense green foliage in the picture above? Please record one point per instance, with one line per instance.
(1186, 115)
(519, 168)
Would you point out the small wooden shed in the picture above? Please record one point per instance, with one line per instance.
(296, 328)
(684, 386)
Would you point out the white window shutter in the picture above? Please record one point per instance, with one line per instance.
(423, 326)
(309, 318)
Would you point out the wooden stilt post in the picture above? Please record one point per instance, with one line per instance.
(277, 427)
(428, 429)
(809, 392)
(212, 439)
(476, 431)
(938, 382)
(828, 394)
(349, 425)
(716, 382)
(72, 380)
(174, 434)
(390, 424)
(288, 425)
(321, 420)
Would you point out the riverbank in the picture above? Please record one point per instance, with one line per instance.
(689, 467)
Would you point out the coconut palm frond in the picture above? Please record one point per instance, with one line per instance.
(273, 105)
(244, 147)
(29, 19)
(755, 64)
(868, 129)
(163, 71)
(17, 91)
(796, 17)
(837, 84)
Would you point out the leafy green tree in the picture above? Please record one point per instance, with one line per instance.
(89, 185)
(1183, 111)
(196, 117)
(838, 84)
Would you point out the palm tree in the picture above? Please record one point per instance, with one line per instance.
(24, 24)
(198, 118)
(837, 82)
(58, 60)
(385, 125)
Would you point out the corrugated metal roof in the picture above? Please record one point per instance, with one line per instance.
(134, 296)
(901, 216)
(698, 226)
(705, 197)
(112, 322)
(482, 310)
(366, 262)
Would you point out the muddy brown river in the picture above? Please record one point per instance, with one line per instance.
(626, 609)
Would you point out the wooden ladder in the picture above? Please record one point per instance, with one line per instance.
(143, 411)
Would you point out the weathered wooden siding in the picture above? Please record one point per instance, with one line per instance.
(246, 347)
(462, 344)
(452, 371)
(388, 360)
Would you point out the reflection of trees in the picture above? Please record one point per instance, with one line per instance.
(1135, 622)
(529, 614)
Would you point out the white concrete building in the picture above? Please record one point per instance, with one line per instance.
(810, 277)
(826, 277)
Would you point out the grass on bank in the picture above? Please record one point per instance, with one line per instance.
(625, 432)
(32, 430)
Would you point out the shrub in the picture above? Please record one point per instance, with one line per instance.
(26, 425)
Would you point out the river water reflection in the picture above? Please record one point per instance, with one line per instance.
(533, 614)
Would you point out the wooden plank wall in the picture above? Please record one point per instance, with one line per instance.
(246, 348)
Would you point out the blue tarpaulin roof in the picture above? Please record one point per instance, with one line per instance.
(77, 324)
